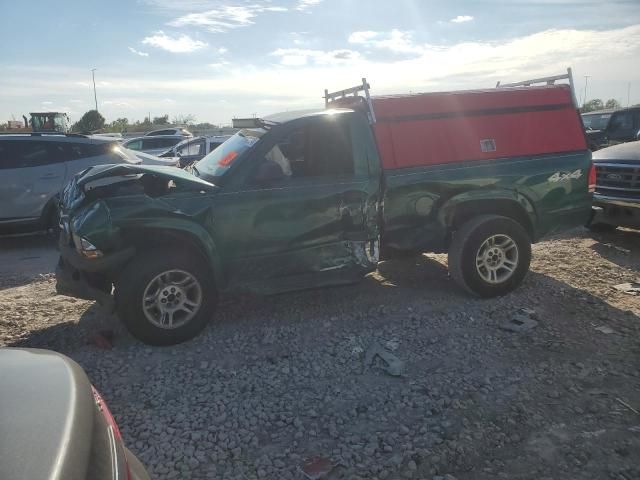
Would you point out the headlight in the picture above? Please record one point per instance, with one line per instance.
(85, 247)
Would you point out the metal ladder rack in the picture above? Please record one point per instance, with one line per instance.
(344, 94)
(548, 81)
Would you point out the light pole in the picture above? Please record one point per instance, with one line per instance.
(586, 84)
(93, 76)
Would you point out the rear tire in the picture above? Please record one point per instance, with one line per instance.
(165, 297)
(490, 255)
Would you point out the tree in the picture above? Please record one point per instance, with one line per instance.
(591, 105)
(119, 125)
(184, 119)
(90, 122)
(612, 103)
(163, 120)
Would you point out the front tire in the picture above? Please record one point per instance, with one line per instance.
(165, 297)
(490, 255)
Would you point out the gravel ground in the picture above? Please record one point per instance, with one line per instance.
(274, 381)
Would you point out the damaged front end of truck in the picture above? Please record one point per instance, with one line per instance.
(110, 213)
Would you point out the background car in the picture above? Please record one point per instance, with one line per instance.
(195, 149)
(183, 132)
(35, 167)
(609, 127)
(153, 145)
(55, 424)
(112, 136)
(617, 198)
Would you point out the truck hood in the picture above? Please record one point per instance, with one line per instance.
(623, 152)
(126, 170)
(104, 181)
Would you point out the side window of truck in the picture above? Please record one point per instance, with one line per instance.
(320, 149)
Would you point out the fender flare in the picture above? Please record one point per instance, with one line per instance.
(509, 203)
(157, 229)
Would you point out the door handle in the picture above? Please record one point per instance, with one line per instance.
(49, 176)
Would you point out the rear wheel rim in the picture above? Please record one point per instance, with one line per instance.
(497, 259)
(172, 299)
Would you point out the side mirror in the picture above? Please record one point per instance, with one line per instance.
(268, 172)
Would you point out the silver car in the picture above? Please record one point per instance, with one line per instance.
(194, 149)
(153, 145)
(35, 167)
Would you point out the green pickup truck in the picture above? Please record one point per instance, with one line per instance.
(303, 200)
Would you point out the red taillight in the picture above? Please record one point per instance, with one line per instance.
(592, 178)
(102, 406)
(111, 423)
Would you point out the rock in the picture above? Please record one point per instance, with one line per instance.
(316, 468)
(392, 365)
(520, 323)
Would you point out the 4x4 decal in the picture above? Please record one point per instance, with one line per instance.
(562, 176)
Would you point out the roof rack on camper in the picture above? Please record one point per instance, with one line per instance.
(547, 81)
(346, 98)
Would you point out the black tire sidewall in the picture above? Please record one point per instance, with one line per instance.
(477, 237)
(133, 281)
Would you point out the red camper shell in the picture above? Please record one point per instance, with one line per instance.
(446, 127)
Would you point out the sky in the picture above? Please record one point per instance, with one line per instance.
(219, 59)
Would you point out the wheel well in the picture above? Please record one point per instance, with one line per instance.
(509, 209)
(48, 219)
(146, 239)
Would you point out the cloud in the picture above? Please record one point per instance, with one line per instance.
(223, 50)
(298, 56)
(396, 41)
(219, 64)
(607, 55)
(46, 102)
(138, 52)
(304, 5)
(181, 44)
(225, 18)
(116, 103)
(461, 19)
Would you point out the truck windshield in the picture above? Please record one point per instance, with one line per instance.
(217, 163)
(596, 121)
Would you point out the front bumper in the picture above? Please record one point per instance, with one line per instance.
(89, 279)
(74, 283)
(618, 211)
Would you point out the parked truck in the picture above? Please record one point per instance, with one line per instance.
(302, 200)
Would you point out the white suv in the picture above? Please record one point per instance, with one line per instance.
(35, 167)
